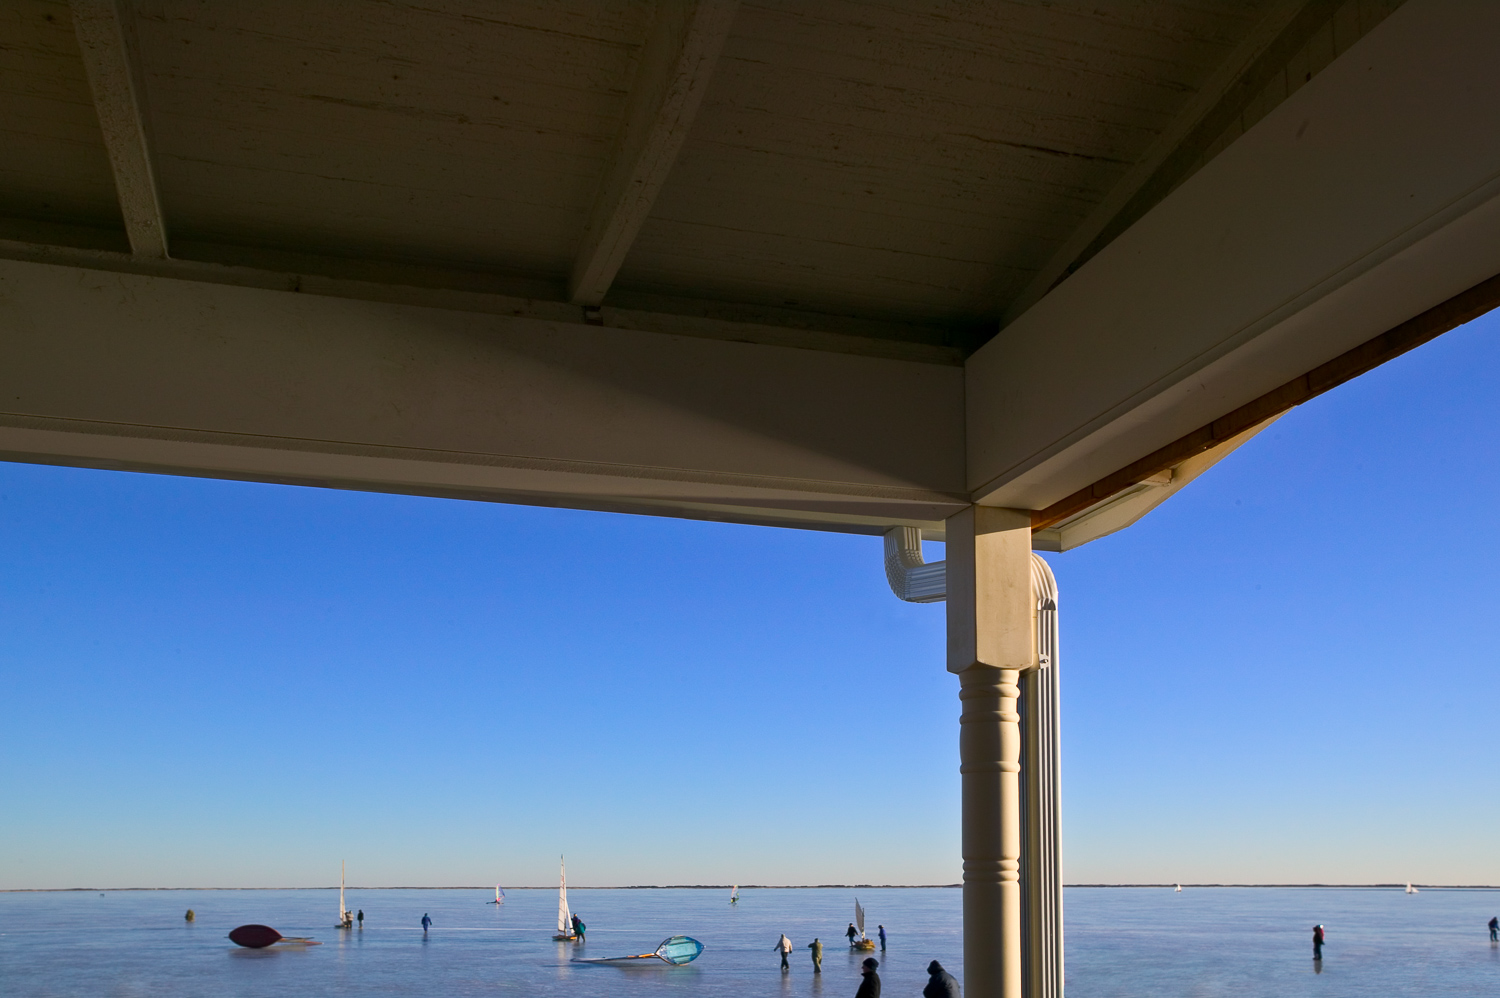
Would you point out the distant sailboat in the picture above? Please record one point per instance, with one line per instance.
(1179, 888)
(734, 894)
(346, 917)
(564, 916)
(499, 896)
(1412, 890)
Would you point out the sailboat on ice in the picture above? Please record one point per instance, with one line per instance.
(346, 917)
(1412, 890)
(734, 894)
(499, 895)
(859, 923)
(565, 931)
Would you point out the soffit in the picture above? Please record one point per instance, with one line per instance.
(916, 161)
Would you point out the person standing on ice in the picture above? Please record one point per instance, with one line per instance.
(1495, 928)
(817, 954)
(784, 947)
(1318, 942)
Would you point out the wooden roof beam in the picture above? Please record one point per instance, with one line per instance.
(106, 40)
(676, 63)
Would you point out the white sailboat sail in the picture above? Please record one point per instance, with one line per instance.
(734, 893)
(859, 918)
(499, 895)
(564, 916)
(1411, 890)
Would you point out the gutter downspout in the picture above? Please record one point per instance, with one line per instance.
(912, 579)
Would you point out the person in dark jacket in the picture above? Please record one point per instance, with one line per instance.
(1495, 928)
(1317, 942)
(940, 984)
(853, 934)
(426, 921)
(869, 985)
(882, 937)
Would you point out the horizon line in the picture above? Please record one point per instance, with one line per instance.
(724, 887)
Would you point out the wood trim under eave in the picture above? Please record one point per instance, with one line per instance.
(1461, 308)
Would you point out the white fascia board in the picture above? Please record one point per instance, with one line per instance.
(159, 374)
(1365, 198)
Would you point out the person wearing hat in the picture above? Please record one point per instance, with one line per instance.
(869, 985)
(941, 984)
(1318, 941)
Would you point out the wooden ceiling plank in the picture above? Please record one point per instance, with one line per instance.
(1213, 92)
(119, 100)
(677, 61)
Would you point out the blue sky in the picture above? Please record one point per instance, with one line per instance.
(1288, 673)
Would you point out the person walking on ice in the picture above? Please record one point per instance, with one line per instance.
(940, 983)
(784, 947)
(1495, 928)
(426, 922)
(361, 917)
(853, 934)
(1318, 941)
(817, 954)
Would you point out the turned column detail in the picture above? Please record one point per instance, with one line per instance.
(991, 642)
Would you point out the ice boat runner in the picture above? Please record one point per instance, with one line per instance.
(564, 917)
(675, 950)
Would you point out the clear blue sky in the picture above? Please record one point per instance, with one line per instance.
(1288, 673)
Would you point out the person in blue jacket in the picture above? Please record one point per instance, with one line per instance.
(426, 922)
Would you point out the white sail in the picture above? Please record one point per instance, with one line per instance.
(859, 918)
(1411, 890)
(734, 893)
(564, 917)
(1179, 888)
(499, 895)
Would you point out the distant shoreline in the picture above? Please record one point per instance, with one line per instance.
(725, 887)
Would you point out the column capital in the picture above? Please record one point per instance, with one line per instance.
(991, 605)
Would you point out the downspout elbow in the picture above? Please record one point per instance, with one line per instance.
(910, 577)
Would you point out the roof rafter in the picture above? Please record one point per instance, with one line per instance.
(105, 38)
(676, 63)
(1284, 28)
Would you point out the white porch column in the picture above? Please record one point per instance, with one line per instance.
(991, 641)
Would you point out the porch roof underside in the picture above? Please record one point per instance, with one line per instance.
(845, 265)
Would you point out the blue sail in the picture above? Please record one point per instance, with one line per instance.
(679, 949)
